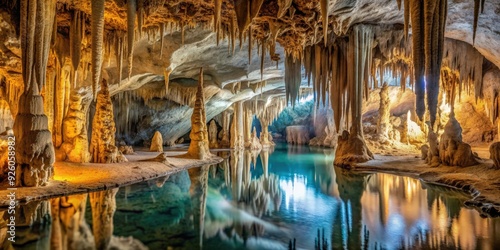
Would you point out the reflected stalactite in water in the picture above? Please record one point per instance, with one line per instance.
(264, 160)
(103, 205)
(69, 228)
(33, 226)
(351, 187)
(324, 174)
(198, 191)
(236, 164)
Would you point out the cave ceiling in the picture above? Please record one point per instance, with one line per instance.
(194, 39)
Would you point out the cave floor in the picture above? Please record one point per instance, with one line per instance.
(75, 178)
(481, 181)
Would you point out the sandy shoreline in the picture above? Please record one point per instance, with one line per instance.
(481, 182)
(76, 178)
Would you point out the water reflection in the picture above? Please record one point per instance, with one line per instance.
(251, 203)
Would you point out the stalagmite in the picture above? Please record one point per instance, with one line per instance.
(198, 148)
(156, 143)
(237, 127)
(75, 147)
(103, 147)
(212, 134)
(224, 133)
(264, 134)
(452, 151)
(131, 13)
(383, 123)
(97, 42)
(103, 205)
(34, 149)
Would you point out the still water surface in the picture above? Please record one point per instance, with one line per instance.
(263, 200)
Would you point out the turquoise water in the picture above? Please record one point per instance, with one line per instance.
(265, 201)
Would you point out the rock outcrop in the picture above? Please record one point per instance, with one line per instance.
(495, 154)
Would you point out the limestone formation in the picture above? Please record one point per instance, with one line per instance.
(452, 151)
(237, 140)
(156, 143)
(383, 124)
(69, 228)
(297, 135)
(254, 143)
(75, 147)
(433, 152)
(34, 148)
(351, 149)
(103, 147)
(126, 150)
(212, 134)
(224, 133)
(495, 154)
(198, 148)
(103, 205)
(265, 136)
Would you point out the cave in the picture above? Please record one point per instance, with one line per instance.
(249, 124)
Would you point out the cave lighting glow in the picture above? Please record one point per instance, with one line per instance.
(306, 99)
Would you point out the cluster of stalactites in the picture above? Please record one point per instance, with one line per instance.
(428, 20)
(392, 55)
(462, 70)
(269, 110)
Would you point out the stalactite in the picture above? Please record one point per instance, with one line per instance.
(249, 44)
(477, 4)
(262, 57)
(140, 16)
(428, 23)
(77, 29)
(283, 6)
(217, 17)
(119, 48)
(97, 42)
(245, 11)
(462, 65)
(131, 15)
(162, 34)
(182, 33)
(324, 18)
(292, 79)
